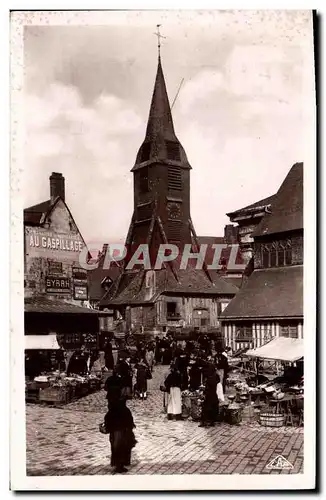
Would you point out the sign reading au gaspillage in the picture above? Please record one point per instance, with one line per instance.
(58, 284)
(40, 241)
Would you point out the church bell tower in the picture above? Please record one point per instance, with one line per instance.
(161, 179)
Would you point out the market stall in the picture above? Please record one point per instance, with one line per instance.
(46, 378)
(284, 392)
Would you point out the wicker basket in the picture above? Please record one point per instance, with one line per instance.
(272, 419)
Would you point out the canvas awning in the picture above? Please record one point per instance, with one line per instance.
(41, 342)
(279, 349)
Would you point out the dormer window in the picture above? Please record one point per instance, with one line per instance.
(173, 151)
(145, 152)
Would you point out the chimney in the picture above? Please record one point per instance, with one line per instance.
(57, 186)
(231, 234)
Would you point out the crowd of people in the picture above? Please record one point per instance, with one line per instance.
(200, 365)
(193, 366)
(197, 366)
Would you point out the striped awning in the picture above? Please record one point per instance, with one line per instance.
(41, 342)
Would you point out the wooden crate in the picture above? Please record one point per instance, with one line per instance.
(32, 395)
(59, 395)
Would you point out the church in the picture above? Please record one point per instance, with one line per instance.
(186, 292)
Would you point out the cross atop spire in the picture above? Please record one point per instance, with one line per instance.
(159, 36)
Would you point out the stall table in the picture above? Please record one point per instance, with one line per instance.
(285, 406)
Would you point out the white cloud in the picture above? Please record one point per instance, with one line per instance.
(200, 88)
(88, 145)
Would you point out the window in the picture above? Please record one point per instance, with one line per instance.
(289, 330)
(145, 152)
(288, 256)
(276, 255)
(173, 150)
(244, 334)
(174, 179)
(143, 180)
(265, 257)
(172, 310)
(273, 258)
(223, 306)
(281, 256)
(200, 317)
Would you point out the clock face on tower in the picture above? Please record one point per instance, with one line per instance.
(174, 210)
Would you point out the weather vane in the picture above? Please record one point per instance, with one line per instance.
(159, 36)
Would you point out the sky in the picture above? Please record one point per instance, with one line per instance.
(243, 112)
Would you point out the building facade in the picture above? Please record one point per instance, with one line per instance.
(271, 302)
(56, 286)
(53, 244)
(247, 219)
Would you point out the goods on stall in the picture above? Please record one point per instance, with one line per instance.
(233, 414)
(278, 394)
(191, 404)
(185, 405)
(56, 387)
(242, 387)
(196, 404)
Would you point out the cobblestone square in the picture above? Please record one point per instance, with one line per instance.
(66, 441)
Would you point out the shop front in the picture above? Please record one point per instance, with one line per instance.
(62, 358)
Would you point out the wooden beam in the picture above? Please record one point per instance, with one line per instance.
(192, 229)
(165, 240)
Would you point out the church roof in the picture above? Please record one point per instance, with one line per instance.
(287, 208)
(160, 143)
(269, 293)
(190, 282)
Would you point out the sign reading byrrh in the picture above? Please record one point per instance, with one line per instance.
(57, 284)
(40, 241)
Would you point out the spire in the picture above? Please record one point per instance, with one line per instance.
(160, 121)
(160, 143)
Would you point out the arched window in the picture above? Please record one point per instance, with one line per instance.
(265, 256)
(288, 253)
(273, 255)
(281, 255)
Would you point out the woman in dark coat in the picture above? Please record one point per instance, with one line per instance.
(108, 356)
(210, 405)
(113, 388)
(195, 376)
(182, 364)
(77, 363)
(120, 424)
(141, 378)
(125, 371)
